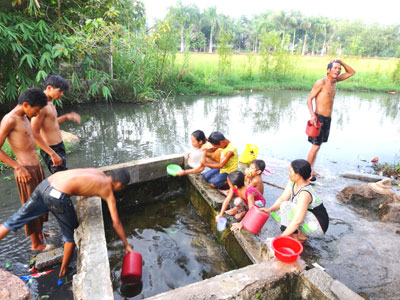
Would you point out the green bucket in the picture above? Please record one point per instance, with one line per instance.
(173, 169)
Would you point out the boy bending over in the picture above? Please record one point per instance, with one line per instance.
(54, 195)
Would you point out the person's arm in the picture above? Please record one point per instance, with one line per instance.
(218, 165)
(313, 94)
(21, 173)
(285, 196)
(225, 204)
(349, 71)
(199, 169)
(301, 210)
(117, 225)
(72, 116)
(36, 124)
(250, 200)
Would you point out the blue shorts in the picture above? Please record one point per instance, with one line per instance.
(44, 199)
(215, 177)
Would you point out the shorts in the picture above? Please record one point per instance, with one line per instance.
(46, 199)
(216, 178)
(324, 133)
(25, 189)
(242, 205)
(60, 150)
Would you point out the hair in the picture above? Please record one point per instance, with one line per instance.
(302, 167)
(236, 178)
(259, 163)
(56, 81)
(199, 136)
(120, 175)
(216, 138)
(34, 97)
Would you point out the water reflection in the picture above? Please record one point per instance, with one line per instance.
(363, 126)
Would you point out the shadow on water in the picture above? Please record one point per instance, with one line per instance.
(177, 247)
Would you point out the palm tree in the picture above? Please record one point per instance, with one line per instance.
(305, 25)
(282, 19)
(212, 17)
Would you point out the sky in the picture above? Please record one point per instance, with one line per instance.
(384, 12)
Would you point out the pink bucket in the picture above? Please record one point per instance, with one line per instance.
(131, 267)
(254, 220)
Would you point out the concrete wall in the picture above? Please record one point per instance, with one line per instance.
(266, 279)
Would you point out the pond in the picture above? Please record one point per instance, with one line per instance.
(364, 126)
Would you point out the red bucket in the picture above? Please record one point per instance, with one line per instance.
(131, 267)
(254, 220)
(313, 131)
(286, 249)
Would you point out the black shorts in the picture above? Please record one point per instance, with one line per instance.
(324, 133)
(60, 150)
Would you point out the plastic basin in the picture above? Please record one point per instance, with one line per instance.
(286, 249)
(173, 169)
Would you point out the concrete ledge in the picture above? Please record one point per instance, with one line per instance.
(316, 284)
(92, 280)
(267, 280)
(147, 169)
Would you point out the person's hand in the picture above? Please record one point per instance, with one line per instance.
(128, 248)
(22, 174)
(187, 155)
(237, 226)
(218, 216)
(74, 117)
(266, 210)
(56, 159)
(180, 173)
(314, 119)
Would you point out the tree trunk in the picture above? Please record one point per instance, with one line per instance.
(313, 45)
(303, 51)
(323, 47)
(59, 12)
(210, 49)
(294, 38)
(182, 40)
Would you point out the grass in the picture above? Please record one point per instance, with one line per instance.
(201, 75)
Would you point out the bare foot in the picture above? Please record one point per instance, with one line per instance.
(43, 247)
(240, 215)
(232, 211)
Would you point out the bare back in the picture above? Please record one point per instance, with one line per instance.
(82, 182)
(48, 124)
(17, 129)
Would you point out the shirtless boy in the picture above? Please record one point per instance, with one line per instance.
(46, 125)
(253, 175)
(323, 92)
(28, 172)
(54, 195)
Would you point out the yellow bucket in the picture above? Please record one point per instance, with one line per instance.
(249, 154)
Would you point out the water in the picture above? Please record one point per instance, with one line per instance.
(364, 125)
(177, 248)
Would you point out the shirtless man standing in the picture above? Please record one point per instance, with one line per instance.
(323, 92)
(54, 195)
(28, 171)
(46, 128)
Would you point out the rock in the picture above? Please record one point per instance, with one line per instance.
(390, 212)
(385, 205)
(12, 287)
(69, 137)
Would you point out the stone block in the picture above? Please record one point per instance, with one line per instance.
(49, 258)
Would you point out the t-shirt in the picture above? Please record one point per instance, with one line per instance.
(232, 164)
(252, 190)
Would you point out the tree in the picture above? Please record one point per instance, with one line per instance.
(212, 19)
